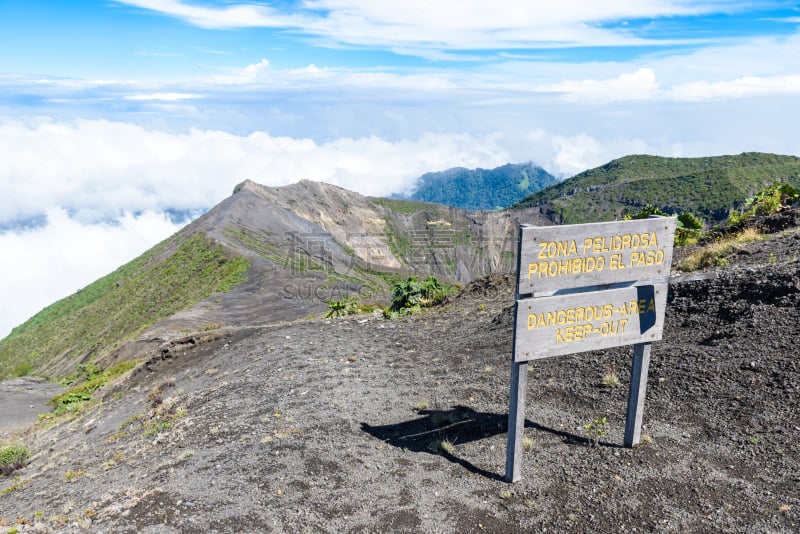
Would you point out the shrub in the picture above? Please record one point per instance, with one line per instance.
(23, 369)
(410, 295)
(688, 226)
(86, 380)
(12, 458)
(347, 306)
(767, 201)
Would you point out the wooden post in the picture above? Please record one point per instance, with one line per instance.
(636, 394)
(516, 420)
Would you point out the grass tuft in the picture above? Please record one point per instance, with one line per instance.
(715, 253)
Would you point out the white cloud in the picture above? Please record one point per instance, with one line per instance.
(162, 96)
(639, 85)
(262, 75)
(43, 265)
(231, 16)
(747, 86)
(418, 26)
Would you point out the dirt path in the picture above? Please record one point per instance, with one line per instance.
(22, 399)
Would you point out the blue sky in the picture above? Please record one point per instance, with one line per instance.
(115, 113)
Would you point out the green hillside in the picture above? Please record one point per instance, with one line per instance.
(84, 326)
(482, 189)
(708, 187)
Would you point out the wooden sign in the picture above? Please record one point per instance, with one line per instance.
(587, 287)
(579, 322)
(584, 255)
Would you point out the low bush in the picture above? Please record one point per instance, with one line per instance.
(688, 227)
(12, 458)
(411, 295)
(86, 380)
(770, 200)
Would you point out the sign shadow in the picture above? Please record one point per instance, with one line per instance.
(457, 426)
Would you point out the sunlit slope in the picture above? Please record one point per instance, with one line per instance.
(84, 326)
(708, 187)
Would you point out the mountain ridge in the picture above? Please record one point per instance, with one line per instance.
(482, 189)
(707, 186)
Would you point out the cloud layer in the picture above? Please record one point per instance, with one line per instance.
(42, 265)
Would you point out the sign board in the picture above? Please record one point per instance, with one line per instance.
(579, 322)
(587, 287)
(583, 255)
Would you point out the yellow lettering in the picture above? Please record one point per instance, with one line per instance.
(543, 250)
(652, 306)
(569, 334)
(626, 241)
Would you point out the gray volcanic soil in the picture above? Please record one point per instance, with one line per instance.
(333, 426)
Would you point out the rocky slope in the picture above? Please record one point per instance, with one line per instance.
(366, 425)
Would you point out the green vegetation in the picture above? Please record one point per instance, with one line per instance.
(767, 201)
(13, 457)
(84, 326)
(595, 430)
(714, 253)
(527, 443)
(411, 295)
(347, 306)
(403, 207)
(18, 484)
(399, 244)
(83, 383)
(688, 228)
(709, 187)
(611, 378)
(444, 446)
(483, 189)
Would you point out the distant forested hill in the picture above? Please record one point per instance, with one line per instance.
(708, 187)
(482, 189)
